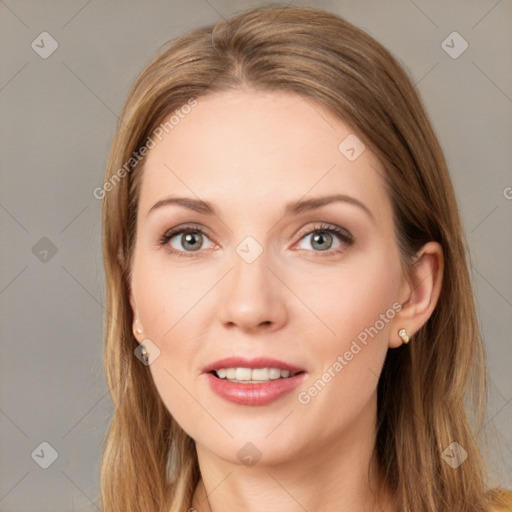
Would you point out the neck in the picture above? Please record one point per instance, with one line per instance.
(336, 474)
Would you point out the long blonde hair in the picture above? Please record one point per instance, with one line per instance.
(148, 462)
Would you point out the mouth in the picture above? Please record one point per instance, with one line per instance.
(256, 382)
(252, 371)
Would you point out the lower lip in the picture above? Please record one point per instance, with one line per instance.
(254, 394)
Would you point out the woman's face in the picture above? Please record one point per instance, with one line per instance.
(256, 282)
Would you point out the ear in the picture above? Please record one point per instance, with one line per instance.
(419, 292)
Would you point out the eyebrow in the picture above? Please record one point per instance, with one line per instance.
(291, 208)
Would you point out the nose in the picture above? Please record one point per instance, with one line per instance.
(252, 295)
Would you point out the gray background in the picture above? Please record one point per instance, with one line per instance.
(58, 116)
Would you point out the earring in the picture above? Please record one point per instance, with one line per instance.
(403, 334)
(139, 330)
(144, 354)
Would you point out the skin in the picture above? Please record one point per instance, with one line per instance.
(249, 153)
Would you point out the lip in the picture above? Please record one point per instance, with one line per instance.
(258, 362)
(254, 394)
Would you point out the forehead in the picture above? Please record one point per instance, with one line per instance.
(257, 148)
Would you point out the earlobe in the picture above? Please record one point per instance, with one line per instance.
(425, 282)
(137, 328)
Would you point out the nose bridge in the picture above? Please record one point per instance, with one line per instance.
(251, 294)
(250, 260)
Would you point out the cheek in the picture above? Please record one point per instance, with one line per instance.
(354, 310)
(171, 323)
(165, 304)
(164, 312)
(165, 295)
(349, 301)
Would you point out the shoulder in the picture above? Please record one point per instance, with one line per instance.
(502, 501)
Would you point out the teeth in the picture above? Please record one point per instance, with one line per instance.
(243, 374)
(274, 373)
(261, 374)
(252, 374)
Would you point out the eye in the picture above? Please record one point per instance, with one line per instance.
(322, 239)
(192, 238)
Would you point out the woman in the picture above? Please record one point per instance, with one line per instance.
(313, 347)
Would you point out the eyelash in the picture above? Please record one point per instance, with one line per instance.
(342, 235)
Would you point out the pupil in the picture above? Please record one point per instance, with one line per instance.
(190, 236)
(322, 237)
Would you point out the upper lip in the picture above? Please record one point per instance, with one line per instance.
(258, 362)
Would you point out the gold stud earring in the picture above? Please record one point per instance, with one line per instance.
(403, 334)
